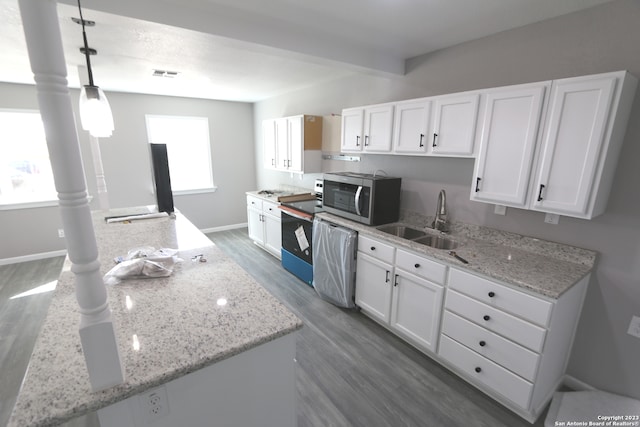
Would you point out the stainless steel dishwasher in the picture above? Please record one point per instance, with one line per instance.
(334, 262)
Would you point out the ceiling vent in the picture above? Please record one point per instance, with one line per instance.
(165, 73)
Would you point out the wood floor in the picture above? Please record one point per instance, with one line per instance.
(351, 371)
(21, 318)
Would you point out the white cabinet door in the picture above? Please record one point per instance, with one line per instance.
(411, 126)
(272, 234)
(577, 119)
(415, 311)
(296, 143)
(378, 126)
(269, 143)
(454, 125)
(507, 145)
(373, 287)
(256, 229)
(352, 125)
(282, 143)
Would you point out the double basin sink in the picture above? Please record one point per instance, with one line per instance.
(419, 236)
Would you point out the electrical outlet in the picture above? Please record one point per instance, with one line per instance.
(60, 233)
(155, 403)
(634, 327)
(500, 210)
(551, 218)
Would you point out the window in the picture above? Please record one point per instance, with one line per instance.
(188, 149)
(25, 171)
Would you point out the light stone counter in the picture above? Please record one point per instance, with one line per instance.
(543, 267)
(178, 322)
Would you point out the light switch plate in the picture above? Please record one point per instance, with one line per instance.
(500, 210)
(551, 218)
(634, 327)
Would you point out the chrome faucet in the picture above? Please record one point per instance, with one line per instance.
(440, 221)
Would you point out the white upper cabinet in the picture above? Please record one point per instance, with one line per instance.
(367, 129)
(454, 125)
(282, 144)
(269, 143)
(507, 144)
(293, 144)
(295, 130)
(411, 126)
(378, 126)
(586, 121)
(352, 125)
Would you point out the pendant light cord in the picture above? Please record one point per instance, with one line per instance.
(86, 47)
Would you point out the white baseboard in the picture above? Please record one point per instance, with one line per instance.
(575, 384)
(223, 228)
(32, 257)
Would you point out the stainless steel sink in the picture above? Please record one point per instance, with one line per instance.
(402, 231)
(437, 242)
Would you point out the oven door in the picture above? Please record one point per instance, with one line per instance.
(348, 200)
(296, 235)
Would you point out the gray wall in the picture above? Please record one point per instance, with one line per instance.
(601, 39)
(127, 166)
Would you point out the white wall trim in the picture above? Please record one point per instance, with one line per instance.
(32, 257)
(576, 384)
(223, 228)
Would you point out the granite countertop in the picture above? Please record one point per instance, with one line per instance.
(545, 268)
(272, 195)
(166, 327)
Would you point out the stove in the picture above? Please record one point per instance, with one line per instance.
(297, 235)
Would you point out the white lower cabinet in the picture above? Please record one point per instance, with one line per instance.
(397, 288)
(486, 372)
(509, 343)
(263, 220)
(415, 309)
(373, 287)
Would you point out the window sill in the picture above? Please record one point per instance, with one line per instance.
(198, 191)
(28, 205)
(33, 205)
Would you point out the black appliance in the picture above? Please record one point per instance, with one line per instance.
(367, 198)
(297, 234)
(161, 178)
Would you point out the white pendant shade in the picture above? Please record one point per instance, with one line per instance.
(95, 112)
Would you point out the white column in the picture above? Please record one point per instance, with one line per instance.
(97, 334)
(103, 197)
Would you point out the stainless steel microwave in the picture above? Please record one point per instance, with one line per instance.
(369, 199)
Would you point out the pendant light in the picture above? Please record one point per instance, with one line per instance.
(95, 111)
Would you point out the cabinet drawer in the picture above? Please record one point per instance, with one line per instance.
(484, 371)
(376, 249)
(500, 350)
(254, 202)
(421, 266)
(518, 330)
(270, 208)
(519, 303)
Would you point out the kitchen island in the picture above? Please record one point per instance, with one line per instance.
(206, 343)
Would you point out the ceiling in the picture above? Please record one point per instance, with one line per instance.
(249, 50)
